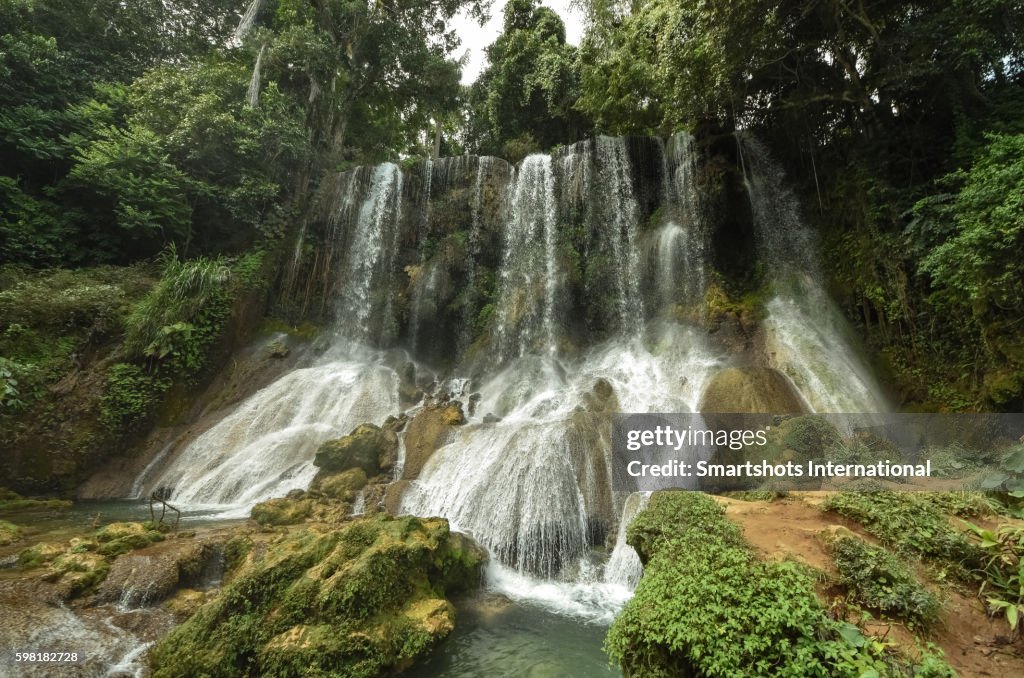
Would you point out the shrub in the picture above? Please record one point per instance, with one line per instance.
(879, 581)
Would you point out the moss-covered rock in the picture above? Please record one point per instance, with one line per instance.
(368, 447)
(362, 599)
(78, 572)
(344, 485)
(282, 511)
(752, 389)
(40, 554)
(9, 533)
(117, 538)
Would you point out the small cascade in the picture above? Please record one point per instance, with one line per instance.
(247, 22)
(530, 278)
(624, 567)
(681, 250)
(614, 222)
(369, 265)
(488, 168)
(252, 97)
(265, 447)
(808, 340)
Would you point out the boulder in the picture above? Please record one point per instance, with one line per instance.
(9, 533)
(368, 447)
(756, 390)
(149, 575)
(282, 511)
(344, 485)
(364, 598)
(428, 431)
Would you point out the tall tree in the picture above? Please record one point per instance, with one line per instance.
(525, 98)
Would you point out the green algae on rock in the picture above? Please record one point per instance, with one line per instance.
(359, 599)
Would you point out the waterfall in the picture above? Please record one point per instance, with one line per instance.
(247, 22)
(560, 256)
(367, 278)
(808, 339)
(252, 97)
(529, 276)
(265, 447)
(624, 566)
(681, 249)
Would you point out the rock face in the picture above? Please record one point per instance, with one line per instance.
(152, 574)
(761, 390)
(429, 430)
(368, 447)
(363, 599)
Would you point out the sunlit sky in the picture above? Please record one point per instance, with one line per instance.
(475, 37)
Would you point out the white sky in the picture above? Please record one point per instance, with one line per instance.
(475, 37)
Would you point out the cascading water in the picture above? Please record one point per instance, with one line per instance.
(370, 263)
(247, 21)
(530, 278)
(807, 337)
(265, 446)
(252, 97)
(681, 247)
(529, 475)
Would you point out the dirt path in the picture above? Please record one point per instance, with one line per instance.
(788, 529)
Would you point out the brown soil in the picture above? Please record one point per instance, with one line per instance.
(788, 529)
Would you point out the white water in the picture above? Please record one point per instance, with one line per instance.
(808, 340)
(265, 447)
(248, 20)
(252, 97)
(624, 567)
(529, 278)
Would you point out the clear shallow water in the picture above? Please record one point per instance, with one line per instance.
(496, 637)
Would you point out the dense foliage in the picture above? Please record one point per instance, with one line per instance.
(707, 606)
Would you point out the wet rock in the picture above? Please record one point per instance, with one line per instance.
(363, 598)
(428, 431)
(393, 496)
(601, 398)
(118, 538)
(491, 418)
(278, 350)
(152, 574)
(368, 447)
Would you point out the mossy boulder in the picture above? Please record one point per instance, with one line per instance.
(428, 431)
(40, 554)
(363, 599)
(344, 485)
(9, 533)
(368, 447)
(117, 538)
(282, 511)
(78, 572)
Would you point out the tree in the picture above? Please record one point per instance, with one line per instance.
(527, 93)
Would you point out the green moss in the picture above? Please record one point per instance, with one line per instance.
(9, 533)
(119, 538)
(12, 502)
(880, 581)
(281, 511)
(358, 600)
